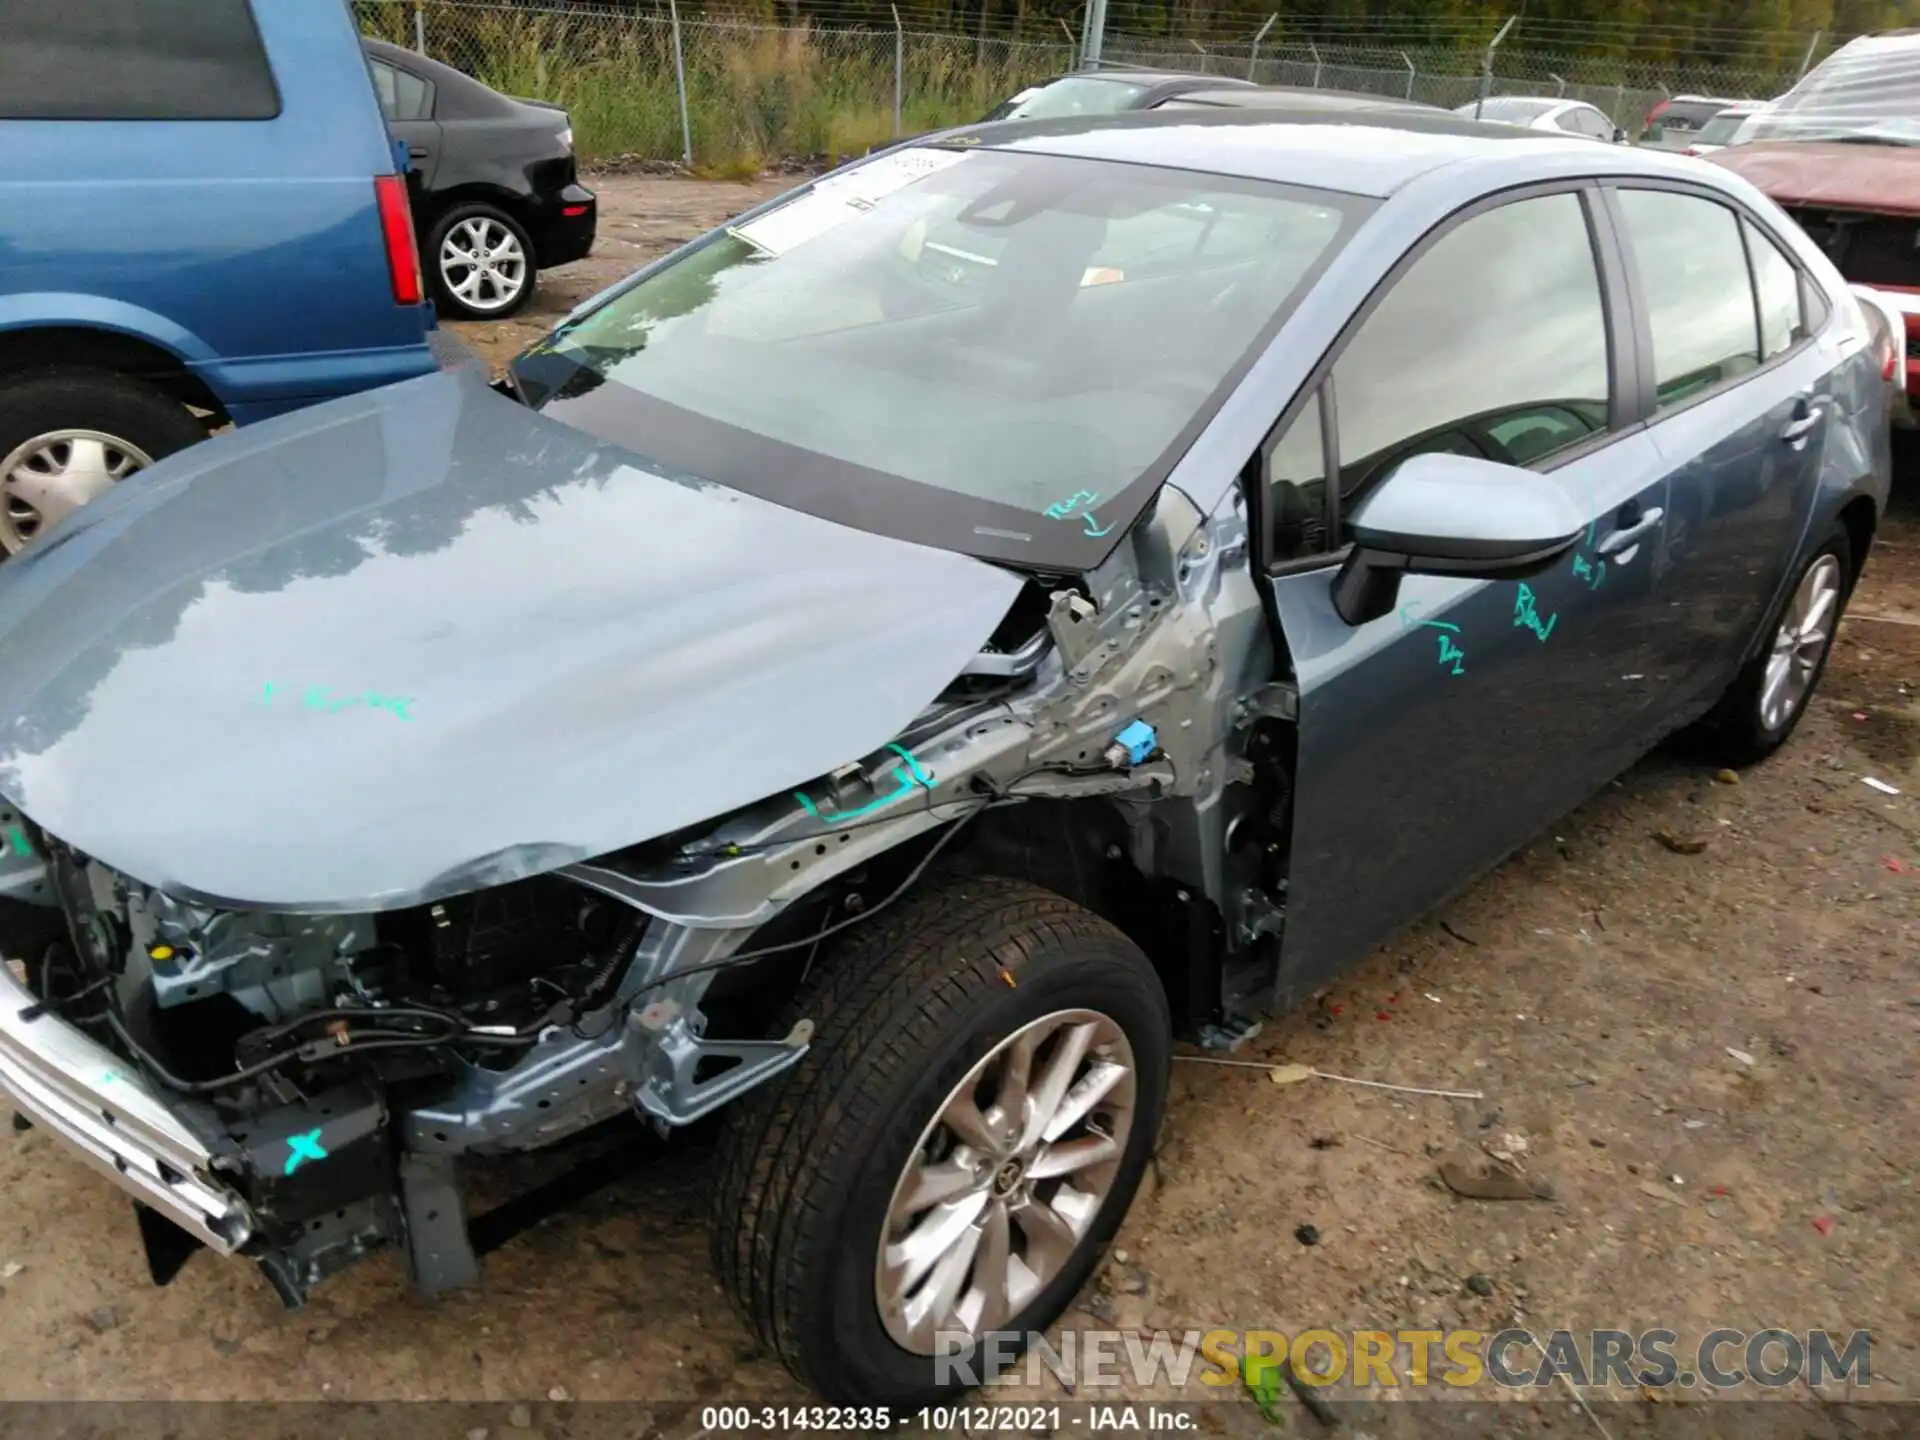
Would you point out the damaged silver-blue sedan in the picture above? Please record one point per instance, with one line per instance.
(888, 669)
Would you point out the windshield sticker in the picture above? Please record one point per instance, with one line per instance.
(17, 838)
(317, 697)
(1450, 651)
(1527, 615)
(907, 777)
(833, 200)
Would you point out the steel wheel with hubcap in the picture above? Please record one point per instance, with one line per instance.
(51, 475)
(1006, 1180)
(484, 263)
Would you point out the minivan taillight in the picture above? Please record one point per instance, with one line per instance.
(396, 228)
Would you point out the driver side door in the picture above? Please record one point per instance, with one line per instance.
(1437, 738)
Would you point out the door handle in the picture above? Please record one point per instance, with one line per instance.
(417, 152)
(1798, 428)
(1621, 539)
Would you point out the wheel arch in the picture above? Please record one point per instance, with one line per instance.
(34, 346)
(1083, 851)
(442, 203)
(1859, 517)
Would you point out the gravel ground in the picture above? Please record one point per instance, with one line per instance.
(1593, 987)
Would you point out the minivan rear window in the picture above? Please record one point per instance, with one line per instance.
(134, 60)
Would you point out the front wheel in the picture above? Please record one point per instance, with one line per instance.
(986, 1080)
(482, 263)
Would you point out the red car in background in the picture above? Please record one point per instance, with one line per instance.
(1840, 152)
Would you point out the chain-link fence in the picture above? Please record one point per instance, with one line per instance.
(746, 92)
(1625, 90)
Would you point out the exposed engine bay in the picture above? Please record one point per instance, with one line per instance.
(301, 1088)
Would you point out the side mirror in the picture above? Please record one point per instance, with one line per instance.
(1619, 136)
(1451, 515)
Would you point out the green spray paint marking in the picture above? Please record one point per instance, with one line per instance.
(303, 1147)
(17, 838)
(1526, 615)
(317, 697)
(905, 778)
(1450, 651)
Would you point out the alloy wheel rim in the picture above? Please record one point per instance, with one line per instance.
(50, 476)
(1006, 1179)
(1806, 630)
(483, 263)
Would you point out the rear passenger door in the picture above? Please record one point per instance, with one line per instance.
(1434, 740)
(1739, 399)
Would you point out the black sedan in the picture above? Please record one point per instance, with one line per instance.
(496, 197)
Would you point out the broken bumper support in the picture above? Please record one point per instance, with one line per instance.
(73, 1087)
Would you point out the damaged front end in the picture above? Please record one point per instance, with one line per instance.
(299, 1073)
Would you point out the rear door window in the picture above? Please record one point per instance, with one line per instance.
(133, 60)
(1699, 297)
(1776, 288)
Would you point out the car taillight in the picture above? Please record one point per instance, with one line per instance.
(396, 228)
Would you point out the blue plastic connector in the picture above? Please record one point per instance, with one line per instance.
(1133, 745)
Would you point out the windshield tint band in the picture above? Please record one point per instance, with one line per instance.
(995, 353)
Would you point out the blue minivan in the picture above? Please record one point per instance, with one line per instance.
(202, 221)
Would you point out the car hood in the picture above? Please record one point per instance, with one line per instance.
(424, 639)
(1881, 178)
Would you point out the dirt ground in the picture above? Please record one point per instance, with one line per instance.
(1595, 988)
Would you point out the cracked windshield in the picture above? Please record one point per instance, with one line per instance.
(1019, 337)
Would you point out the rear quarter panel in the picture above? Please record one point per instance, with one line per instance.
(255, 243)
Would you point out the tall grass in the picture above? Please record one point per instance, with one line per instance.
(754, 92)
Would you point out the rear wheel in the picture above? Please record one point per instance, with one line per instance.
(482, 263)
(69, 436)
(1768, 697)
(985, 1083)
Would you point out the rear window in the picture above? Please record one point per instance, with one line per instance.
(1513, 109)
(1721, 128)
(1077, 95)
(134, 60)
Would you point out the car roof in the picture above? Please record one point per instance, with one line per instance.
(1360, 152)
(1281, 96)
(1148, 78)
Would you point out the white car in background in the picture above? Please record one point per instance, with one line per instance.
(1545, 112)
(1721, 130)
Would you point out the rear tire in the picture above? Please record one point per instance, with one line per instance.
(482, 238)
(1767, 698)
(55, 424)
(815, 1164)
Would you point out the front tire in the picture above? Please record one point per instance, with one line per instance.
(901, 1191)
(482, 263)
(1766, 700)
